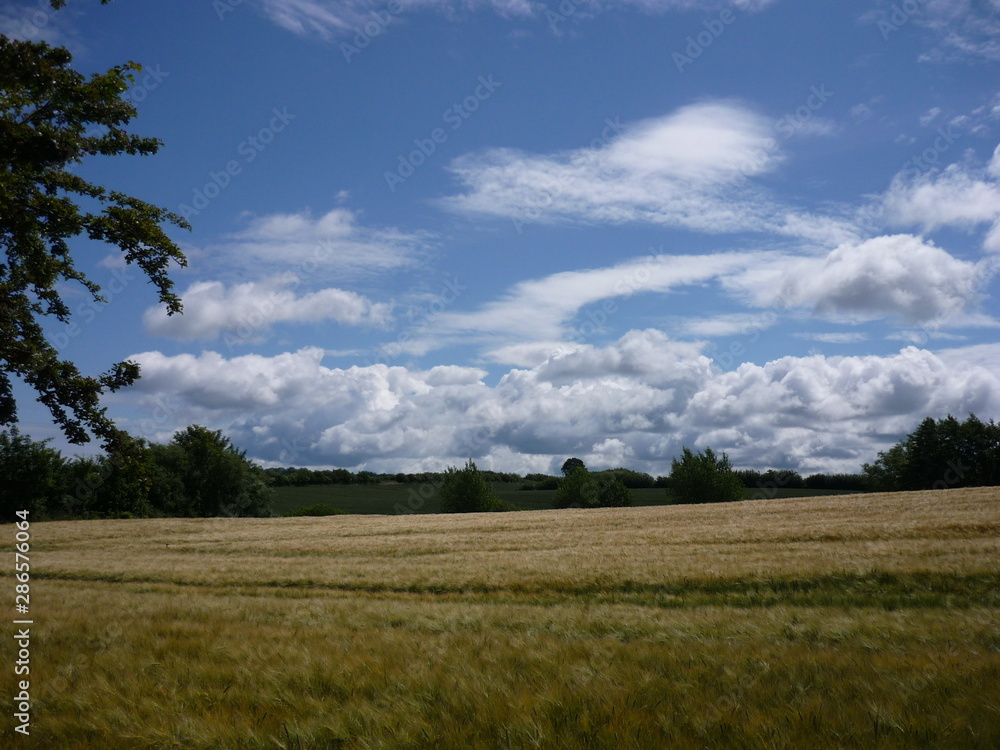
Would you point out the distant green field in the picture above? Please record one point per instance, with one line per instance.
(383, 498)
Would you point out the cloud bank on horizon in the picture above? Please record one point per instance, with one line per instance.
(784, 249)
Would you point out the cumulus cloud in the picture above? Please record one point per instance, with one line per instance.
(693, 168)
(898, 275)
(334, 244)
(247, 311)
(635, 401)
(333, 19)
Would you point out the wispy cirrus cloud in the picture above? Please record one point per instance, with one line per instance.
(694, 168)
(333, 19)
(334, 244)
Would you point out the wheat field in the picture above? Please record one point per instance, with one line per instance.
(837, 622)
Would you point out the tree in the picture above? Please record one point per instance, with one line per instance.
(116, 485)
(581, 489)
(201, 473)
(577, 490)
(466, 491)
(612, 492)
(30, 476)
(939, 454)
(572, 464)
(51, 117)
(704, 478)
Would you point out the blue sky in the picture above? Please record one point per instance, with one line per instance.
(519, 231)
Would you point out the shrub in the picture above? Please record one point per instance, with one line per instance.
(466, 491)
(704, 478)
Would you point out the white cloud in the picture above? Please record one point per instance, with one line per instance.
(247, 311)
(636, 401)
(693, 168)
(930, 116)
(731, 324)
(334, 244)
(333, 19)
(846, 337)
(553, 308)
(37, 22)
(954, 196)
(899, 275)
(961, 195)
(965, 29)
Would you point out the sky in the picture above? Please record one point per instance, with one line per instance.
(519, 231)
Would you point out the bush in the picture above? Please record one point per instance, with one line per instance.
(201, 473)
(704, 478)
(466, 491)
(581, 489)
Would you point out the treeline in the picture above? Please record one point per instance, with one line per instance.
(792, 480)
(199, 473)
(940, 454)
(296, 477)
(633, 480)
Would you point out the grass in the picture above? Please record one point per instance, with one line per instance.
(383, 499)
(849, 622)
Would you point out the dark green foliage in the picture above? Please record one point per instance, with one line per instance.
(612, 492)
(572, 464)
(315, 510)
(704, 478)
(853, 482)
(540, 482)
(201, 473)
(771, 479)
(634, 480)
(466, 491)
(577, 490)
(51, 117)
(582, 489)
(940, 454)
(31, 475)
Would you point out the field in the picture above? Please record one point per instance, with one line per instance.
(862, 621)
(383, 498)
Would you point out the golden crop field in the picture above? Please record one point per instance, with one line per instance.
(867, 621)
